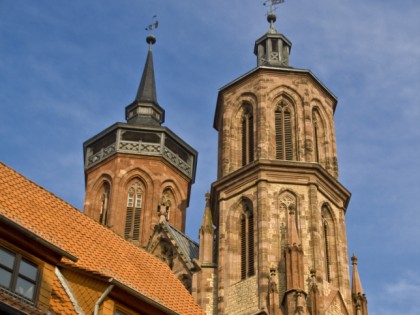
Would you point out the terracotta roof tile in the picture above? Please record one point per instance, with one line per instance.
(97, 248)
(60, 302)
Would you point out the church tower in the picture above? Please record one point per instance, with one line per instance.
(277, 205)
(137, 170)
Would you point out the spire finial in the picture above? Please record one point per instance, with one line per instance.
(151, 39)
(271, 15)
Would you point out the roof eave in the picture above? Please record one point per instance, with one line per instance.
(37, 238)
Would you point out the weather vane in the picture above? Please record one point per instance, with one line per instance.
(273, 4)
(154, 25)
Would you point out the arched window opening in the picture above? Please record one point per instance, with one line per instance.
(327, 252)
(316, 135)
(104, 210)
(284, 132)
(247, 241)
(329, 245)
(134, 206)
(319, 137)
(247, 136)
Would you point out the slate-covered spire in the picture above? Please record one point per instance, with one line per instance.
(359, 298)
(145, 109)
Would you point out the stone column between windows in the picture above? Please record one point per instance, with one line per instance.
(314, 229)
(222, 280)
(262, 268)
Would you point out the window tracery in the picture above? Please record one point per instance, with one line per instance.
(133, 212)
(283, 121)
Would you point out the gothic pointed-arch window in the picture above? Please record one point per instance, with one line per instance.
(247, 135)
(247, 240)
(327, 251)
(283, 121)
(318, 136)
(329, 244)
(133, 212)
(104, 205)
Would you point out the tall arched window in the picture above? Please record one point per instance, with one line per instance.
(329, 244)
(327, 250)
(104, 211)
(318, 136)
(247, 240)
(133, 214)
(247, 135)
(283, 116)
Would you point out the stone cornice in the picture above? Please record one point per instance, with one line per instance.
(282, 172)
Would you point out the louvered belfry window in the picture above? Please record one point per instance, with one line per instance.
(284, 132)
(247, 241)
(133, 214)
(247, 136)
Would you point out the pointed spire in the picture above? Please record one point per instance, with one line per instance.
(359, 298)
(206, 234)
(356, 285)
(207, 223)
(145, 109)
(147, 88)
(293, 237)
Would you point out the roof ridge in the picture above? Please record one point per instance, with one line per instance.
(183, 234)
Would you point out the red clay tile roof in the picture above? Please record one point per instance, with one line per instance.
(98, 249)
(60, 302)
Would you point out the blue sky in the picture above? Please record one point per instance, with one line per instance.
(69, 68)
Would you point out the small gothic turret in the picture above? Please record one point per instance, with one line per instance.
(273, 48)
(204, 278)
(359, 298)
(145, 109)
(206, 234)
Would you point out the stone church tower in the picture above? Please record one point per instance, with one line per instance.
(277, 205)
(139, 171)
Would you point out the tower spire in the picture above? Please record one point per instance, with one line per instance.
(147, 87)
(145, 109)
